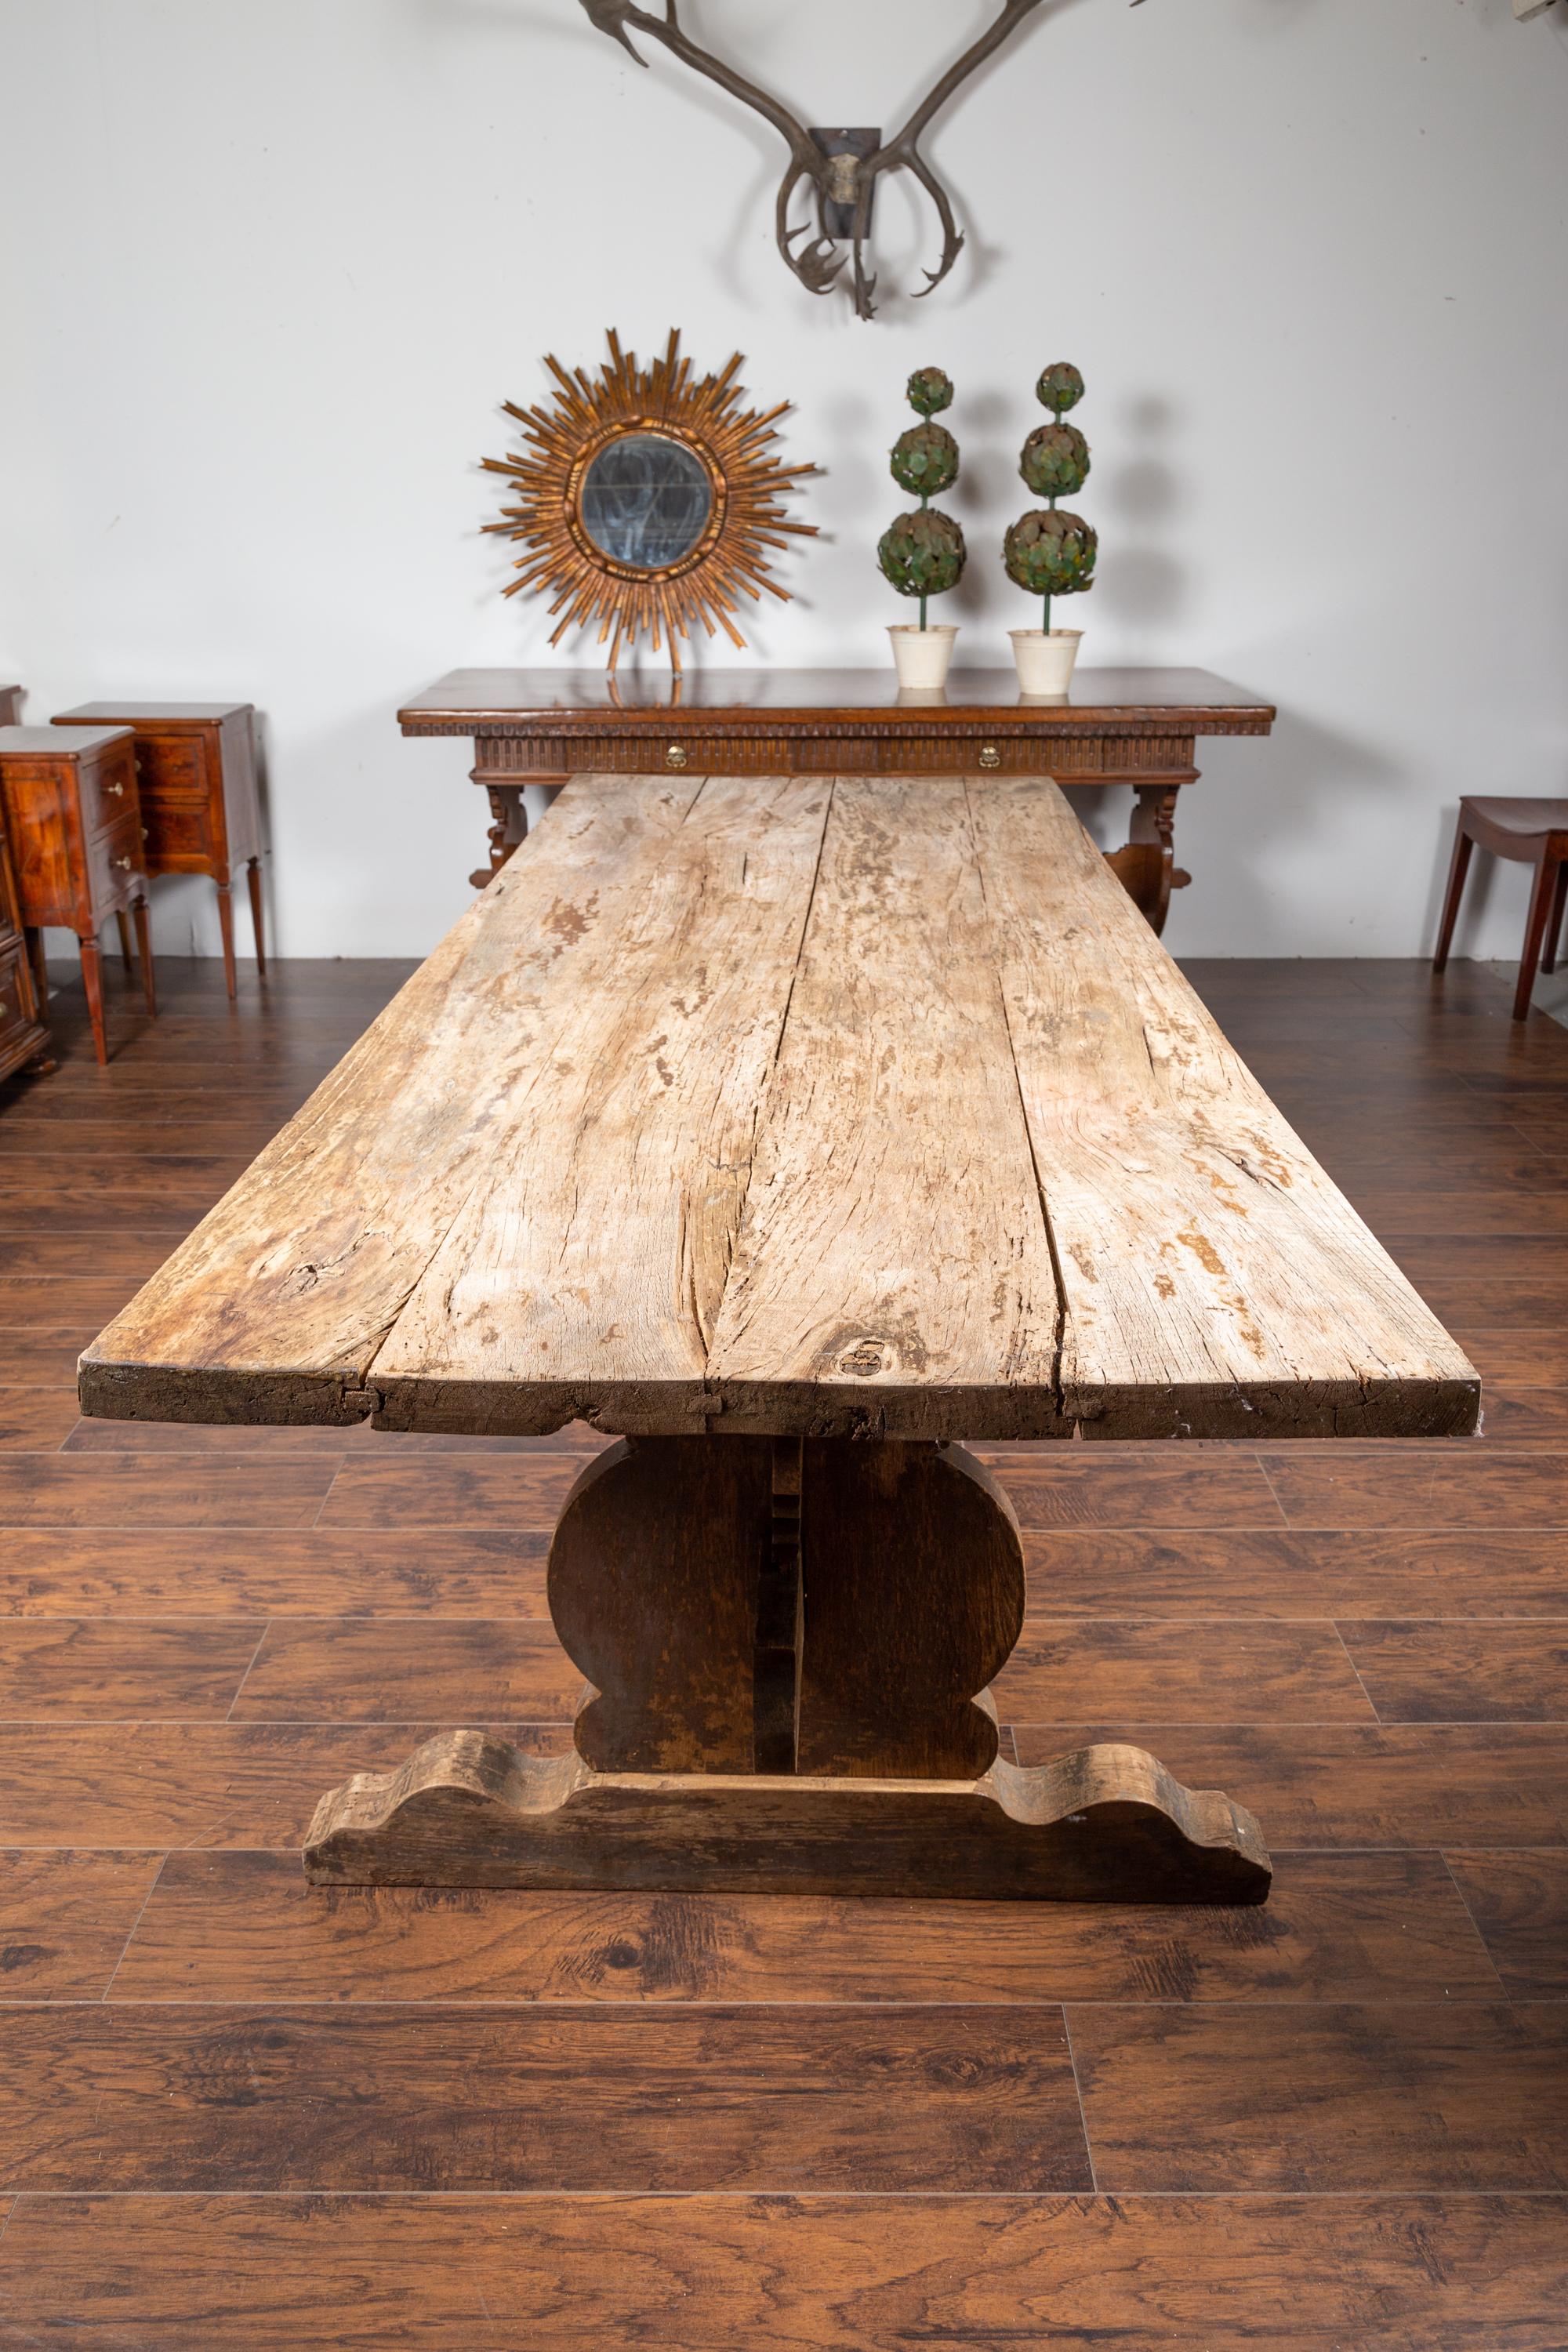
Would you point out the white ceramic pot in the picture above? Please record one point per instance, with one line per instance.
(921, 656)
(1044, 664)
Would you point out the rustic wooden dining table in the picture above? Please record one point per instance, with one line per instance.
(792, 1130)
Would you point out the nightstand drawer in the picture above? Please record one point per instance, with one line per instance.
(171, 767)
(115, 867)
(180, 836)
(108, 789)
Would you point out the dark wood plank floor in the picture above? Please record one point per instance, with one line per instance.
(237, 2113)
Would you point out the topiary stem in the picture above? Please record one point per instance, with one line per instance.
(1047, 605)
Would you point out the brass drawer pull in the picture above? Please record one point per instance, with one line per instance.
(124, 862)
(990, 757)
(677, 756)
(118, 790)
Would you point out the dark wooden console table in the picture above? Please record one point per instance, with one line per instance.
(1136, 726)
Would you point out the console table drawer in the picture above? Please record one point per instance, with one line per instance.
(1083, 757)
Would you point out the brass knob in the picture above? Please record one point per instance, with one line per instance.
(990, 757)
(125, 862)
(145, 835)
(118, 790)
(676, 757)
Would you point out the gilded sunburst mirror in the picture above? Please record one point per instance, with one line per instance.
(646, 501)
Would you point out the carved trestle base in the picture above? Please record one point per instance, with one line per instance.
(788, 1644)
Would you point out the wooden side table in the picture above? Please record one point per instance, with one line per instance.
(1136, 726)
(68, 794)
(10, 706)
(195, 765)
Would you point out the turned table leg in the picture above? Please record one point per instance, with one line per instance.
(1146, 866)
(787, 1648)
(509, 817)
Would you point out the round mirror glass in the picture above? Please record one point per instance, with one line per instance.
(645, 501)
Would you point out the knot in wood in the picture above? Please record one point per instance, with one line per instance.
(865, 1361)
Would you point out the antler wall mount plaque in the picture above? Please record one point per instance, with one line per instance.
(646, 501)
(845, 179)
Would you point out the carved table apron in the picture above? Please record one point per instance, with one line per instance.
(1136, 726)
(791, 1130)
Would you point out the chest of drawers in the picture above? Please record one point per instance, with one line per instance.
(73, 817)
(195, 771)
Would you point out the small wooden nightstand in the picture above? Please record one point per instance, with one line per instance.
(195, 765)
(68, 794)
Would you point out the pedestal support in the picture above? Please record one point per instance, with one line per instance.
(787, 1646)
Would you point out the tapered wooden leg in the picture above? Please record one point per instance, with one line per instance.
(225, 925)
(253, 876)
(787, 1649)
(1541, 899)
(124, 938)
(1460, 867)
(40, 972)
(93, 982)
(144, 951)
(1554, 927)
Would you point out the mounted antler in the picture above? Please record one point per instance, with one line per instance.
(818, 263)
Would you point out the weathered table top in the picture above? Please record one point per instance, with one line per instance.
(843, 1105)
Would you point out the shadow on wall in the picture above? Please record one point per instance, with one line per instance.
(1277, 797)
(1143, 584)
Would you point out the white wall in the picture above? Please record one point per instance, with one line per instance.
(267, 267)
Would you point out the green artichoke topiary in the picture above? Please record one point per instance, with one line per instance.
(930, 391)
(1054, 463)
(1060, 388)
(925, 460)
(1051, 553)
(923, 553)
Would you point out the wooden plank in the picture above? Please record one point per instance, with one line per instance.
(394, 1490)
(850, 2273)
(1429, 1672)
(220, 1784)
(1214, 1283)
(247, 1927)
(1420, 1486)
(70, 1490)
(229, 1572)
(64, 1919)
(1076, 1670)
(1196, 1486)
(1322, 1786)
(1519, 1902)
(576, 2098)
(1188, 1574)
(1315, 2100)
(893, 1273)
(36, 1421)
(364, 1670)
(330, 1230)
(106, 1670)
(592, 1279)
